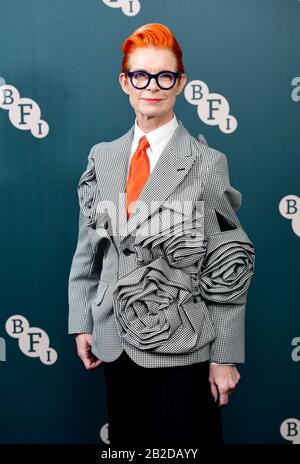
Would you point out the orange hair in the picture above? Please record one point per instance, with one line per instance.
(153, 34)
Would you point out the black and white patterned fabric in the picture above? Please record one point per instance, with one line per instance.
(167, 294)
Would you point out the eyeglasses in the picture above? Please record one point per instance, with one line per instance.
(164, 79)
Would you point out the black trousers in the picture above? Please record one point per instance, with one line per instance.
(165, 406)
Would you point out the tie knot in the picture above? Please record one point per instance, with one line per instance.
(143, 143)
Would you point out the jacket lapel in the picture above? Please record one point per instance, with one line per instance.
(111, 169)
(172, 166)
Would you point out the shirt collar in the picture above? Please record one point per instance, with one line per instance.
(157, 138)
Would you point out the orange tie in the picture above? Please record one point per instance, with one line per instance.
(139, 171)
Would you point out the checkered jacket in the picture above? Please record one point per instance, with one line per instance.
(168, 293)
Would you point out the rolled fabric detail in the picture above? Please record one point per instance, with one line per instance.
(143, 254)
(228, 267)
(154, 309)
(88, 193)
(173, 235)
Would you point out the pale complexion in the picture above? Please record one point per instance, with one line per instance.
(151, 115)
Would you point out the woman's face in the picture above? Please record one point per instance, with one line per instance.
(152, 60)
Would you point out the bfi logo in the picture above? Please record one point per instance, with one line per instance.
(295, 354)
(289, 208)
(290, 430)
(33, 341)
(213, 109)
(128, 7)
(296, 89)
(103, 433)
(23, 113)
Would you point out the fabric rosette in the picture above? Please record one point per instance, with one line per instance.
(88, 194)
(154, 309)
(94, 216)
(228, 267)
(89, 197)
(175, 235)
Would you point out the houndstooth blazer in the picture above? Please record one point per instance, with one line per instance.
(168, 293)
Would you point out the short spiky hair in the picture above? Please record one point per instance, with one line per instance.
(153, 34)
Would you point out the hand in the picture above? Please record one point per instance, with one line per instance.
(223, 380)
(84, 343)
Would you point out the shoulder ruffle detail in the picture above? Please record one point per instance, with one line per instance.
(88, 193)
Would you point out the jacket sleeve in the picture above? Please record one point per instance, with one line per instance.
(86, 264)
(228, 264)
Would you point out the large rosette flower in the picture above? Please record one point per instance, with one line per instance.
(154, 309)
(175, 235)
(228, 267)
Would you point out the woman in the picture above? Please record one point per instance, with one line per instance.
(161, 308)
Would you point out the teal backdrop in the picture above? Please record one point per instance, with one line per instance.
(65, 55)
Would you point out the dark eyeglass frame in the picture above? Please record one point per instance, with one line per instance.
(130, 74)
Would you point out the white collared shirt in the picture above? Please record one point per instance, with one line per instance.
(157, 138)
